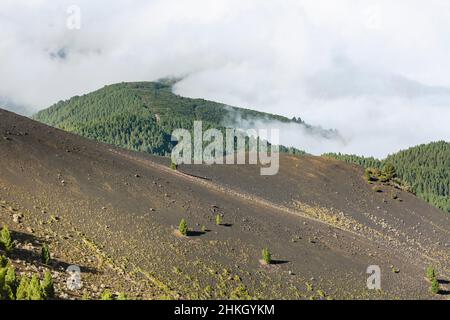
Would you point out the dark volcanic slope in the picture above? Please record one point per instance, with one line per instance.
(322, 222)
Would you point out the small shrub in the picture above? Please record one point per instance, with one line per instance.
(173, 166)
(47, 286)
(34, 289)
(5, 290)
(11, 279)
(6, 239)
(431, 273)
(267, 257)
(218, 220)
(122, 296)
(106, 295)
(22, 289)
(435, 286)
(183, 228)
(45, 254)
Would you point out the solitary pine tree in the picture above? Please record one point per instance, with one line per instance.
(267, 257)
(218, 219)
(45, 254)
(435, 286)
(183, 228)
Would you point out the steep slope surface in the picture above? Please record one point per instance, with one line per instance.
(322, 222)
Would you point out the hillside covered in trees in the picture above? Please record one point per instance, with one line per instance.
(425, 168)
(142, 116)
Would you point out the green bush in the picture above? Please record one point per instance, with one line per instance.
(106, 295)
(11, 279)
(435, 286)
(122, 296)
(47, 286)
(6, 292)
(267, 257)
(218, 220)
(183, 228)
(45, 254)
(173, 166)
(389, 171)
(431, 273)
(34, 289)
(6, 239)
(3, 261)
(22, 289)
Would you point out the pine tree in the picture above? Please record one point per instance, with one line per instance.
(6, 239)
(183, 228)
(11, 279)
(47, 286)
(5, 290)
(435, 286)
(267, 257)
(34, 289)
(431, 273)
(218, 220)
(45, 254)
(22, 289)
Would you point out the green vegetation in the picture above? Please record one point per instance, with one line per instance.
(431, 273)
(48, 288)
(106, 295)
(34, 289)
(173, 166)
(267, 257)
(218, 219)
(3, 261)
(6, 241)
(45, 254)
(386, 174)
(14, 288)
(22, 290)
(183, 228)
(122, 296)
(142, 116)
(425, 169)
(435, 288)
(431, 276)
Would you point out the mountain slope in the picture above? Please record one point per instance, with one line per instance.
(142, 116)
(425, 168)
(117, 211)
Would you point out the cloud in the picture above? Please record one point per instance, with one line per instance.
(377, 72)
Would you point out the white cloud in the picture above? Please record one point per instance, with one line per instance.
(376, 71)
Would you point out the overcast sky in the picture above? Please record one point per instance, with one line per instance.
(377, 71)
